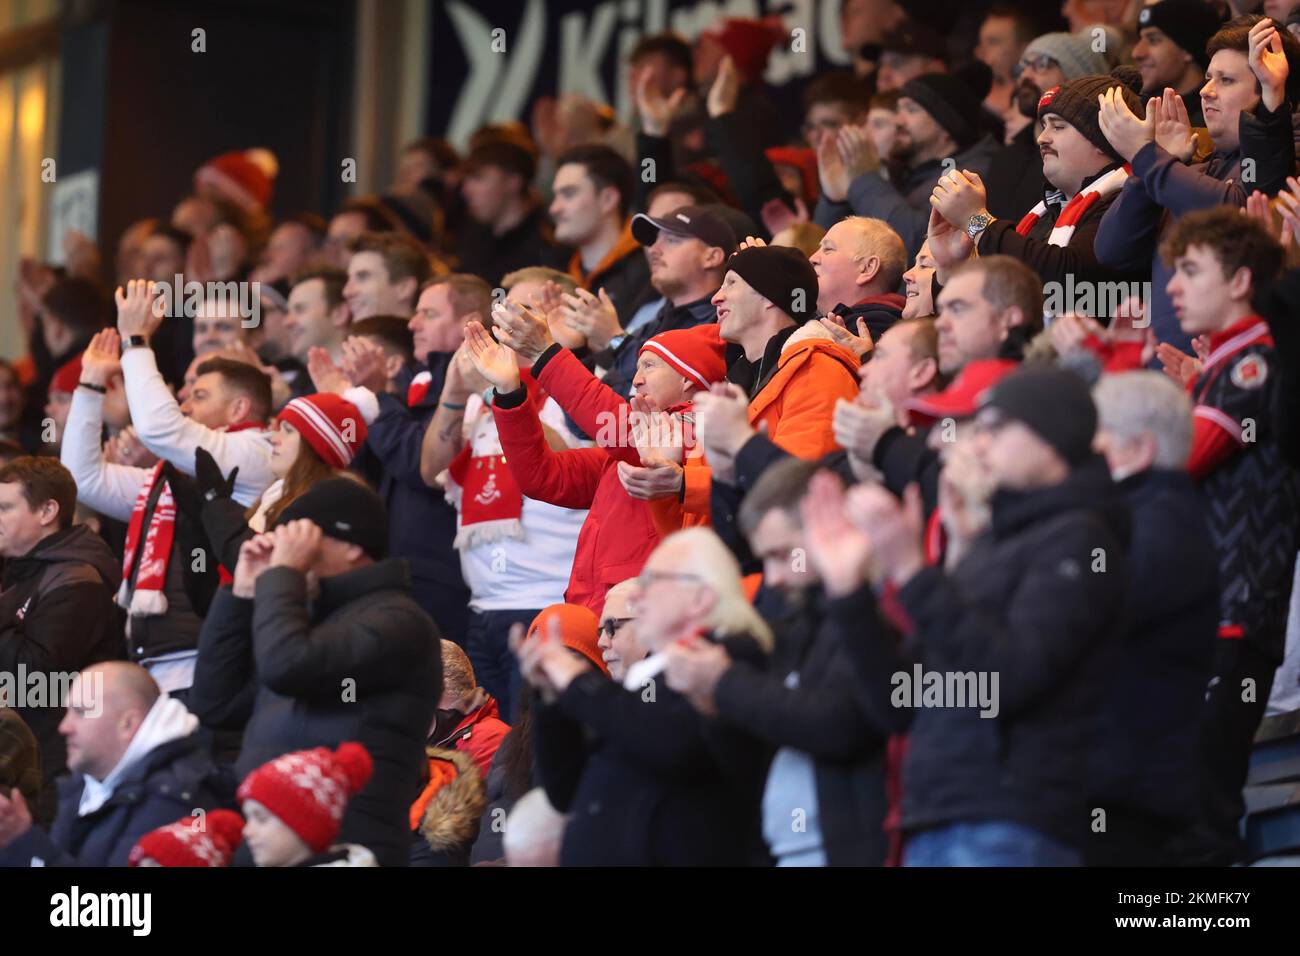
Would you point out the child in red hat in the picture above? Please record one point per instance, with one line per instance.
(205, 839)
(294, 807)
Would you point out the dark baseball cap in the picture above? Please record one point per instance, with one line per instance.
(909, 38)
(697, 222)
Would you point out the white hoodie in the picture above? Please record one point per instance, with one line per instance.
(166, 721)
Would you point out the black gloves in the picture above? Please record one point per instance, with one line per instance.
(211, 483)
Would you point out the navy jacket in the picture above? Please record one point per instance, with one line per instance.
(1027, 604)
(1146, 756)
(168, 783)
(1162, 189)
(421, 524)
(646, 780)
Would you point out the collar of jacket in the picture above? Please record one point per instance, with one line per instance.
(688, 313)
(130, 789)
(391, 574)
(892, 300)
(488, 708)
(1056, 200)
(43, 553)
(623, 247)
(770, 359)
(1088, 486)
(1154, 481)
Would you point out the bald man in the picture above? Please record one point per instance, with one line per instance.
(137, 764)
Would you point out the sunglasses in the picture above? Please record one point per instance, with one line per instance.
(1039, 63)
(611, 624)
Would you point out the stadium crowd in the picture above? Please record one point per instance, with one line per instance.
(687, 488)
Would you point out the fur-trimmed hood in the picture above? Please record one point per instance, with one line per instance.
(454, 801)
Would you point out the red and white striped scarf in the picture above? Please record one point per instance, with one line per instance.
(147, 600)
(1076, 208)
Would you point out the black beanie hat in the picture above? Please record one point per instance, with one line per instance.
(955, 100)
(782, 275)
(1053, 403)
(1076, 103)
(1189, 23)
(345, 509)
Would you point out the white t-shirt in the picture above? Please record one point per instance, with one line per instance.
(532, 572)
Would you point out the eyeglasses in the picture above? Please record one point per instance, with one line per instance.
(648, 577)
(611, 624)
(1039, 64)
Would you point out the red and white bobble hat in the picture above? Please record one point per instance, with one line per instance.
(206, 840)
(332, 425)
(244, 177)
(698, 354)
(308, 790)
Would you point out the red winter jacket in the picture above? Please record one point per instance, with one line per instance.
(479, 735)
(619, 533)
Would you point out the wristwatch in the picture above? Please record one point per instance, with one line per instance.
(977, 224)
(135, 342)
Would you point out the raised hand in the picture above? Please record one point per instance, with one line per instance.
(860, 344)
(858, 426)
(548, 305)
(651, 481)
(656, 111)
(658, 435)
(521, 329)
(1288, 207)
(693, 669)
(365, 364)
(722, 420)
(1173, 126)
(326, 376)
(593, 317)
(1177, 364)
(725, 90)
(857, 150)
(838, 549)
(135, 308)
(102, 358)
(297, 544)
(958, 196)
(896, 530)
(494, 361)
(1268, 63)
(832, 171)
(949, 243)
(254, 558)
(1124, 131)
(777, 217)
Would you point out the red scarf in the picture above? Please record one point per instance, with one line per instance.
(490, 503)
(1076, 208)
(147, 600)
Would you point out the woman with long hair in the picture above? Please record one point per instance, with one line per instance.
(315, 437)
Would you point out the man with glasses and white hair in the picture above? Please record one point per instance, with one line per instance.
(1147, 767)
(648, 780)
(619, 648)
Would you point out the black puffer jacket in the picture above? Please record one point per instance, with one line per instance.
(646, 780)
(804, 699)
(1146, 756)
(1030, 605)
(57, 615)
(361, 662)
